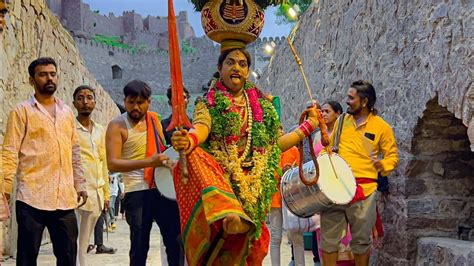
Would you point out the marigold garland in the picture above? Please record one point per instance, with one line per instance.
(256, 187)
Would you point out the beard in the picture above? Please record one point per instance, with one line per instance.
(48, 89)
(86, 113)
(135, 116)
(354, 112)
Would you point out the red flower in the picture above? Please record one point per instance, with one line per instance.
(255, 105)
(231, 139)
(211, 98)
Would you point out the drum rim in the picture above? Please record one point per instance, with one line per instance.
(158, 180)
(284, 181)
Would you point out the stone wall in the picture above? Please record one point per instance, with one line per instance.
(411, 51)
(32, 32)
(55, 6)
(153, 67)
(144, 40)
(150, 67)
(442, 251)
(154, 24)
(77, 17)
(440, 194)
(95, 23)
(69, 18)
(132, 22)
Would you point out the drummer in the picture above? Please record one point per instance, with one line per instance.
(165, 122)
(131, 149)
(367, 143)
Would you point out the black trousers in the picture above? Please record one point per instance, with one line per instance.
(62, 227)
(99, 230)
(141, 209)
(314, 249)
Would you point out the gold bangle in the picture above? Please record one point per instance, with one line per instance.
(299, 133)
(313, 123)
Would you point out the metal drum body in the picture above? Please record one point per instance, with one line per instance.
(333, 188)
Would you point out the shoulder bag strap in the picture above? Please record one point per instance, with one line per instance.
(337, 138)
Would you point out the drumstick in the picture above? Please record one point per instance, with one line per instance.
(332, 165)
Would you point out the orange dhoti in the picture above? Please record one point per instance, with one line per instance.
(203, 202)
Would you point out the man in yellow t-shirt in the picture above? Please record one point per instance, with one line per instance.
(368, 145)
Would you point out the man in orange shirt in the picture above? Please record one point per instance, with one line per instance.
(368, 145)
(42, 150)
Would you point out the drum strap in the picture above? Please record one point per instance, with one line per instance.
(337, 138)
(155, 132)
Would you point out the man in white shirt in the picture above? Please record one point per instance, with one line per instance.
(92, 142)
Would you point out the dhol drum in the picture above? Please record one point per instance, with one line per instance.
(336, 186)
(164, 177)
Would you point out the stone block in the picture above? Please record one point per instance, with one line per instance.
(415, 187)
(432, 146)
(418, 207)
(444, 251)
(415, 167)
(438, 168)
(470, 258)
(461, 261)
(452, 208)
(394, 243)
(430, 222)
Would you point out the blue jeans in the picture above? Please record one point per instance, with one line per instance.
(112, 208)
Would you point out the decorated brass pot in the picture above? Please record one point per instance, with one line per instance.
(225, 20)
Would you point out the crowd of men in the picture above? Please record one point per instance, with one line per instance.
(62, 162)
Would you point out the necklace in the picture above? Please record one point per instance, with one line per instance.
(255, 185)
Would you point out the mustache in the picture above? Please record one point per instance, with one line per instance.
(49, 84)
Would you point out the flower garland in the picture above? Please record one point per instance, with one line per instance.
(255, 187)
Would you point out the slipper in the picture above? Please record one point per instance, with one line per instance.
(90, 248)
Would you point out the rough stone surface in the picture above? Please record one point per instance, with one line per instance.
(150, 67)
(150, 61)
(197, 67)
(33, 31)
(418, 55)
(410, 50)
(78, 17)
(443, 207)
(442, 251)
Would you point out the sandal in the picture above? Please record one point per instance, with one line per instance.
(90, 248)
